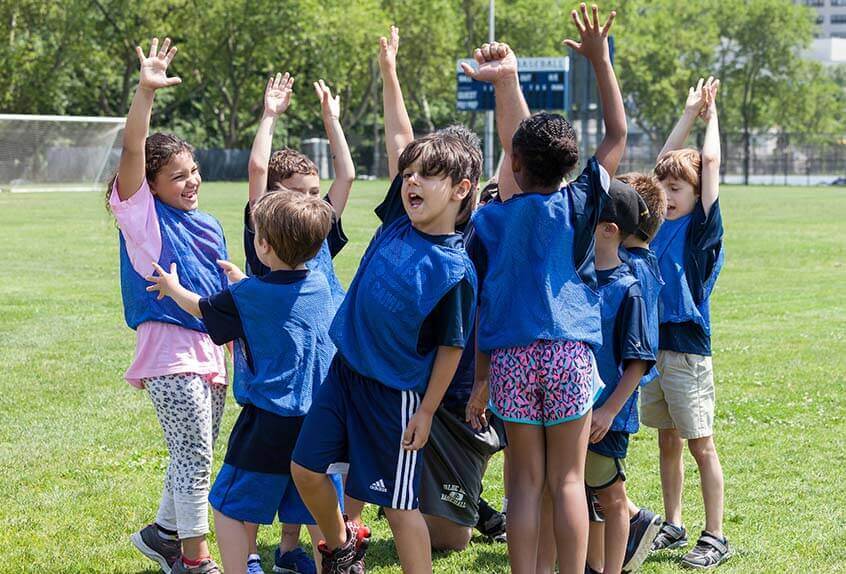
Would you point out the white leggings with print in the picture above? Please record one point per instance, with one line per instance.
(189, 410)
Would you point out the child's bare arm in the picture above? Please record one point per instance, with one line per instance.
(693, 107)
(131, 169)
(603, 417)
(342, 161)
(167, 284)
(594, 46)
(711, 152)
(277, 98)
(417, 432)
(398, 130)
(475, 412)
(498, 65)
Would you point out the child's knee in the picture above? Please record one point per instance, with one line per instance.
(404, 518)
(613, 498)
(703, 449)
(669, 441)
(304, 478)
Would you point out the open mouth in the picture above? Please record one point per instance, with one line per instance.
(189, 195)
(414, 200)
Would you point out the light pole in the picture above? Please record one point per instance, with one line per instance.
(489, 116)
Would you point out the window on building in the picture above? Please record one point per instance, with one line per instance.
(838, 2)
(838, 18)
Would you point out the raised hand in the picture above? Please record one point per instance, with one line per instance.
(388, 50)
(331, 106)
(709, 92)
(594, 38)
(154, 66)
(277, 95)
(695, 98)
(496, 62)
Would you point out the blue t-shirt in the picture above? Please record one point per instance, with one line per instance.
(631, 334)
(336, 240)
(220, 314)
(702, 248)
(452, 319)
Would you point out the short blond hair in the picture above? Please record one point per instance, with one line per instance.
(653, 195)
(295, 225)
(684, 164)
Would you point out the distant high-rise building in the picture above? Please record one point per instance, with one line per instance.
(829, 47)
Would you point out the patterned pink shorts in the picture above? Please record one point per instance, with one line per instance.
(544, 383)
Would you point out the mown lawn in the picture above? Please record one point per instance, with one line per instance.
(81, 453)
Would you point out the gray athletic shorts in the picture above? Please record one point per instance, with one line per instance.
(455, 461)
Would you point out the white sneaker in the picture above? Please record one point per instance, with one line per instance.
(254, 564)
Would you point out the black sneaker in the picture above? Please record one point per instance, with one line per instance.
(709, 552)
(643, 528)
(493, 527)
(670, 536)
(162, 551)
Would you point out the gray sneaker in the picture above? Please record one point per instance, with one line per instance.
(150, 544)
(206, 567)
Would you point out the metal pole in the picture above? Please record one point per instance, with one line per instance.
(489, 116)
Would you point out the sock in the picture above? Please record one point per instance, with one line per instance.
(253, 558)
(194, 563)
(504, 504)
(166, 534)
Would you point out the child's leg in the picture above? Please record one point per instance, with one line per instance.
(566, 445)
(505, 467)
(704, 451)
(633, 508)
(318, 493)
(252, 535)
(616, 509)
(411, 537)
(316, 536)
(547, 553)
(446, 535)
(289, 538)
(190, 441)
(670, 447)
(233, 539)
(353, 509)
(596, 546)
(525, 488)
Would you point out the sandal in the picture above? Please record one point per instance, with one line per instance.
(709, 552)
(670, 536)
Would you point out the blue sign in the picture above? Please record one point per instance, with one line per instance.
(544, 81)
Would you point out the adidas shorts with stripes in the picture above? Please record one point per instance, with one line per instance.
(359, 420)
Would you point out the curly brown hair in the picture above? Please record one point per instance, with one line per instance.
(547, 147)
(646, 185)
(159, 148)
(287, 162)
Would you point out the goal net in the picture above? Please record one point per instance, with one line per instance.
(57, 153)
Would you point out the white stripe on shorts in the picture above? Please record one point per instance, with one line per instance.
(406, 460)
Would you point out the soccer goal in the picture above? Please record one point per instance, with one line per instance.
(57, 153)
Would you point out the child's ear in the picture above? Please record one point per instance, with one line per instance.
(516, 166)
(463, 188)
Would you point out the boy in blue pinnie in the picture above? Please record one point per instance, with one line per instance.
(280, 325)
(400, 333)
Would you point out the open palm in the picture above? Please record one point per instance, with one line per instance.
(277, 96)
(154, 66)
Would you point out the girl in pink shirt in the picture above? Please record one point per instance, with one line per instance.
(154, 200)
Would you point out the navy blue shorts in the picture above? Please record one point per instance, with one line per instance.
(257, 497)
(359, 420)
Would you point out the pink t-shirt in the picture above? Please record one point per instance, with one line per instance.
(160, 348)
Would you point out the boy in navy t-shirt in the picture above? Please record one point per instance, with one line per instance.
(399, 332)
(280, 326)
(680, 403)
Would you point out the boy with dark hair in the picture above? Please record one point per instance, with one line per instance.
(623, 358)
(399, 332)
(289, 169)
(280, 326)
(680, 403)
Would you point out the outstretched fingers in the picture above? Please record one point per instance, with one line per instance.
(608, 23)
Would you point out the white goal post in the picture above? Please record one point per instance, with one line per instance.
(57, 153)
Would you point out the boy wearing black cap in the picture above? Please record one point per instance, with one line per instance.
(624, 357)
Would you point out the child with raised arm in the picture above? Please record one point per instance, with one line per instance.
(539, 312)
(280, 325)
(290, 169)
(680, 403)
(294, 171)
(399, 333)
(154, 198)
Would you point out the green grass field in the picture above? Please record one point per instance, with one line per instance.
(81, 453)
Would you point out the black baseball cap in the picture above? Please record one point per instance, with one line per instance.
(625, 207)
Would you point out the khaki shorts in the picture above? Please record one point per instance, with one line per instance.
(682, 397)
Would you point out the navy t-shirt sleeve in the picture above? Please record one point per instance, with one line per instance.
(450, 322)
(478, 255)
(632, 333)
(336, 239)
(254, 266)
(703, 244)
(588, 194)
(221, 318)
(391, 207)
